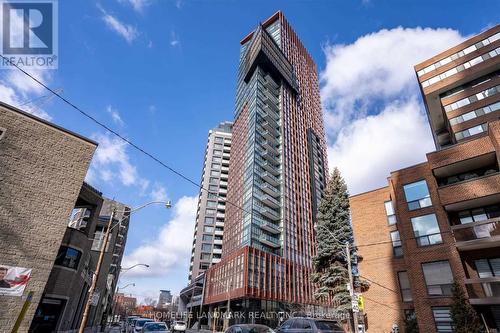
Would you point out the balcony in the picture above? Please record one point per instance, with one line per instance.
(270, 201)
(218, 241)
(270, 167)
(272, 111)
(268, 81)
(270, 156)
(270, 213)
(217, 251)
(269, 241)
(219, 224)
(268, 177)
(218, 232)
(270, 227)
(270, 136)
(477, 235)
(269, 189)
(267, 145)
(479, 191)
(483, 291)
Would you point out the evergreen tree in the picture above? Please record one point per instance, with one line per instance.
(333, 231)
(463, 315)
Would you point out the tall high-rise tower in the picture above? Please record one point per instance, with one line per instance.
(209, 227)
(276, 175)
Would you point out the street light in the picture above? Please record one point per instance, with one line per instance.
(129, 268)
(122, 271)
(104, 244)
(128, 285)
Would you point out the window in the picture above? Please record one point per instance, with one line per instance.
(218, 145)
(404, 286)
(2, 132)
(210, 211)
(442, 318)
(100, 231)
(475, 215)
(301, 324)
(396, 244)
(68, 257)
(204, 266)
(205, 256)
(216, 166)
(209, 220)
(426, 230)
(219, 139)
(389, 210)
(79, 218)
(476, 113)
(417, 195)
(213, 180)
(438, 278)
(213, 188)
(471, 131)
(207, 238)
(211, 204)
(215, 173)
(488, 267)
(206, 247)
(217, 152)
(212, 195)
(208, 229)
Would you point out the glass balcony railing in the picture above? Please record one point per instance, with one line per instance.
(480, 234)
(482, 289)
(269, 241)
(268, 177)
(270, 227)
(269, 189)
(269, 213)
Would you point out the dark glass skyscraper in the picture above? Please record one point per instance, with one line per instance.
(277, 173)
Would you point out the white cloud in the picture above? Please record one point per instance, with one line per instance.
(19, 90)
(174, 39)
(158, 193)
(138, 5)
(374, 119)
(171, 247)
(369, 148)
(111, 162)
(127, 31)
(115, 115)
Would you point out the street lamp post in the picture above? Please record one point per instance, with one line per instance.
(124, 270)
(101, 257)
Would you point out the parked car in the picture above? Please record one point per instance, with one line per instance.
(249, 328)
(131, 328)
(309, 325)
(128, 323)
(140, 322)
(179, 326)
(155, 327)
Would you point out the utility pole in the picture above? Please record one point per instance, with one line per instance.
(96, 275)
(351, 285)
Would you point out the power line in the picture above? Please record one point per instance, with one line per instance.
(374, 301)
(378, 284)
(107, 128)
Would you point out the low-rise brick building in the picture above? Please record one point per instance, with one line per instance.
(437, 222)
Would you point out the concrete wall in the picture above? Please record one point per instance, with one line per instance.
(42, 168)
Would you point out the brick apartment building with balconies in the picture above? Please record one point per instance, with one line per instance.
(437, 222)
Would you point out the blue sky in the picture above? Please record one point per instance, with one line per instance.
(164, 72)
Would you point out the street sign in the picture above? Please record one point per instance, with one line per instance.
(354, 304)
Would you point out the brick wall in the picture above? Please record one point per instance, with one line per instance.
(42, 168)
